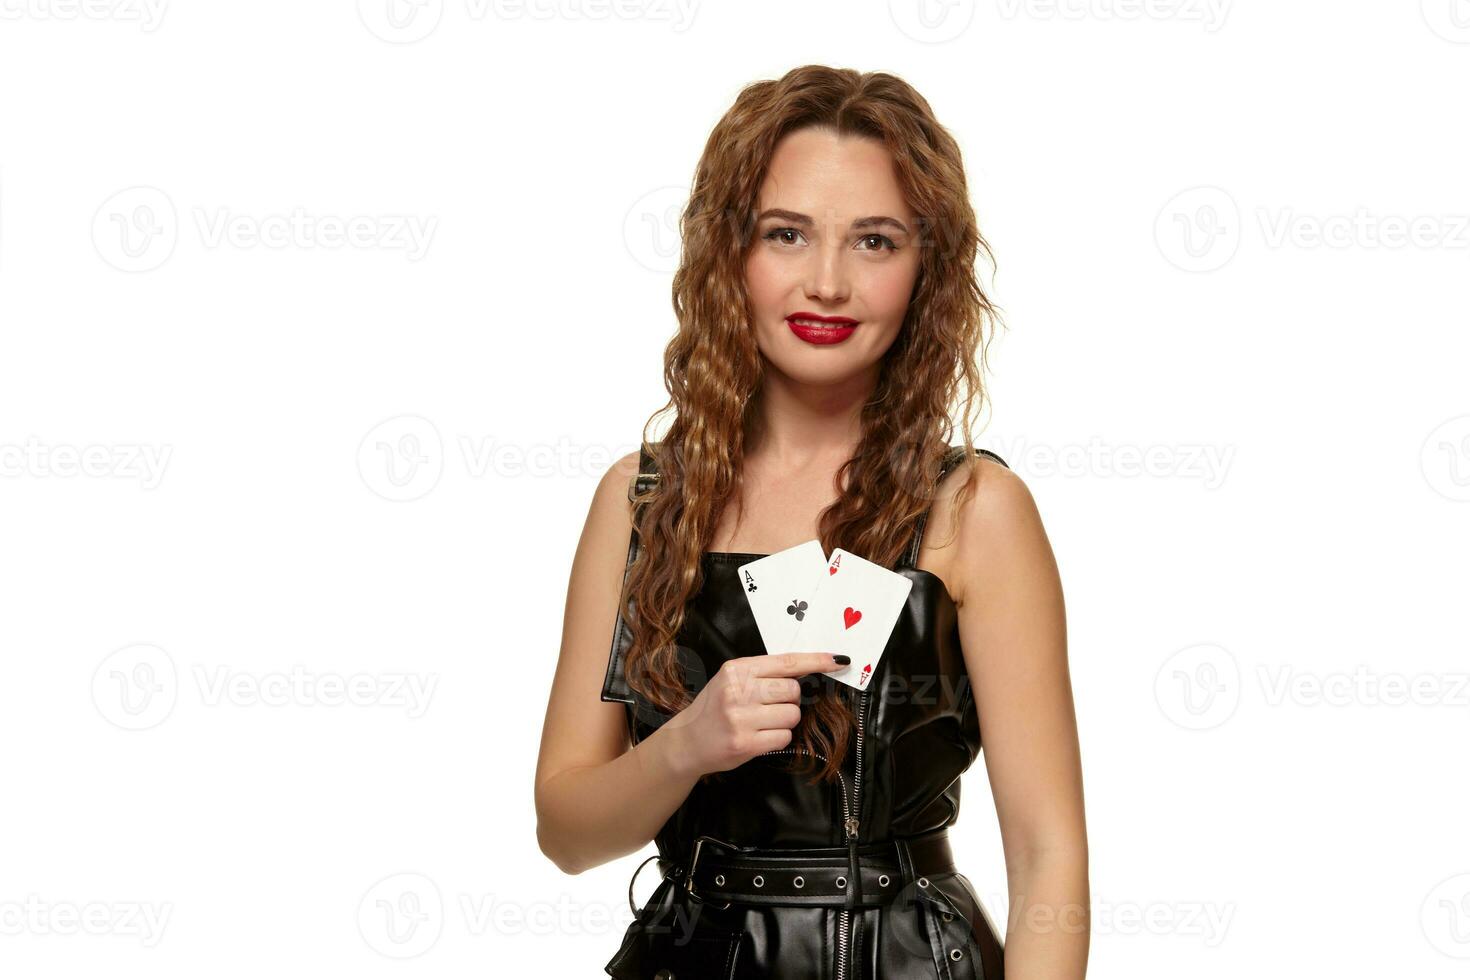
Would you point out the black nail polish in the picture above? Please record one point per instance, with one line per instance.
(842, 658)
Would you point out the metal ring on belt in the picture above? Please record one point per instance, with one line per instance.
(721, 873)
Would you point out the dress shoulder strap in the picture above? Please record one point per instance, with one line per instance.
(614, 682)
(952, 456)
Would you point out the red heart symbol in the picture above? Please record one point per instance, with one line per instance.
(832, 570)
(850, 616)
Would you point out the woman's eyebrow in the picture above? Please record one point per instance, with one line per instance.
(805, 221)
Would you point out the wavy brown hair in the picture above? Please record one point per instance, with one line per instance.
(713, 370)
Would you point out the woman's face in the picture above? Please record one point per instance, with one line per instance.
(835, 238)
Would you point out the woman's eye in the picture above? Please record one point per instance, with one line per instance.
(883, 241)
(776, 233)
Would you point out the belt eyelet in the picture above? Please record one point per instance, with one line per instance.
(955, 954)
(798, 881)
(758, 881)
(719, 879)
(923, 882)
(882, 881)
(947, 916)
(841, 881)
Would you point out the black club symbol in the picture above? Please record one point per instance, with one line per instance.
(797, 609)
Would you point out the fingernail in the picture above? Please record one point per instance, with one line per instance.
(842, 658)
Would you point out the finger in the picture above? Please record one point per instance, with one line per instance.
(794, 664)
(774, 690)
(780, 715)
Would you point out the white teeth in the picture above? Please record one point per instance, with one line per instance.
(819, 323)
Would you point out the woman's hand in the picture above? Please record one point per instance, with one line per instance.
(748, 707)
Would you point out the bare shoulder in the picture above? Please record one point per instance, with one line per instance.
(604, 544)
(997, 528)
(610, 503)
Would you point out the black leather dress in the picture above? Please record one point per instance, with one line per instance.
(863, 864)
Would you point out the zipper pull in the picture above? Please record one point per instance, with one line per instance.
(854, 881)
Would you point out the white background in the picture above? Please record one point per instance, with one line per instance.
(370, 461)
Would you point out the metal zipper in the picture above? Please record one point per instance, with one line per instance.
(844, 963)
(850, 829)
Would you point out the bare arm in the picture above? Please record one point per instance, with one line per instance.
(596, 799)
(1013, 631)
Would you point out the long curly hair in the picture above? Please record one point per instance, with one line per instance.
(713, 370)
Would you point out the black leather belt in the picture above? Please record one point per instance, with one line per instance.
(721, 873)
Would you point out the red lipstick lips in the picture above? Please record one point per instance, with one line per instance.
(814, 328)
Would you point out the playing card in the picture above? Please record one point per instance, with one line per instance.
(853, 612)
(779, 588)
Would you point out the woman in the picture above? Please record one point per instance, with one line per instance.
(829, 317)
